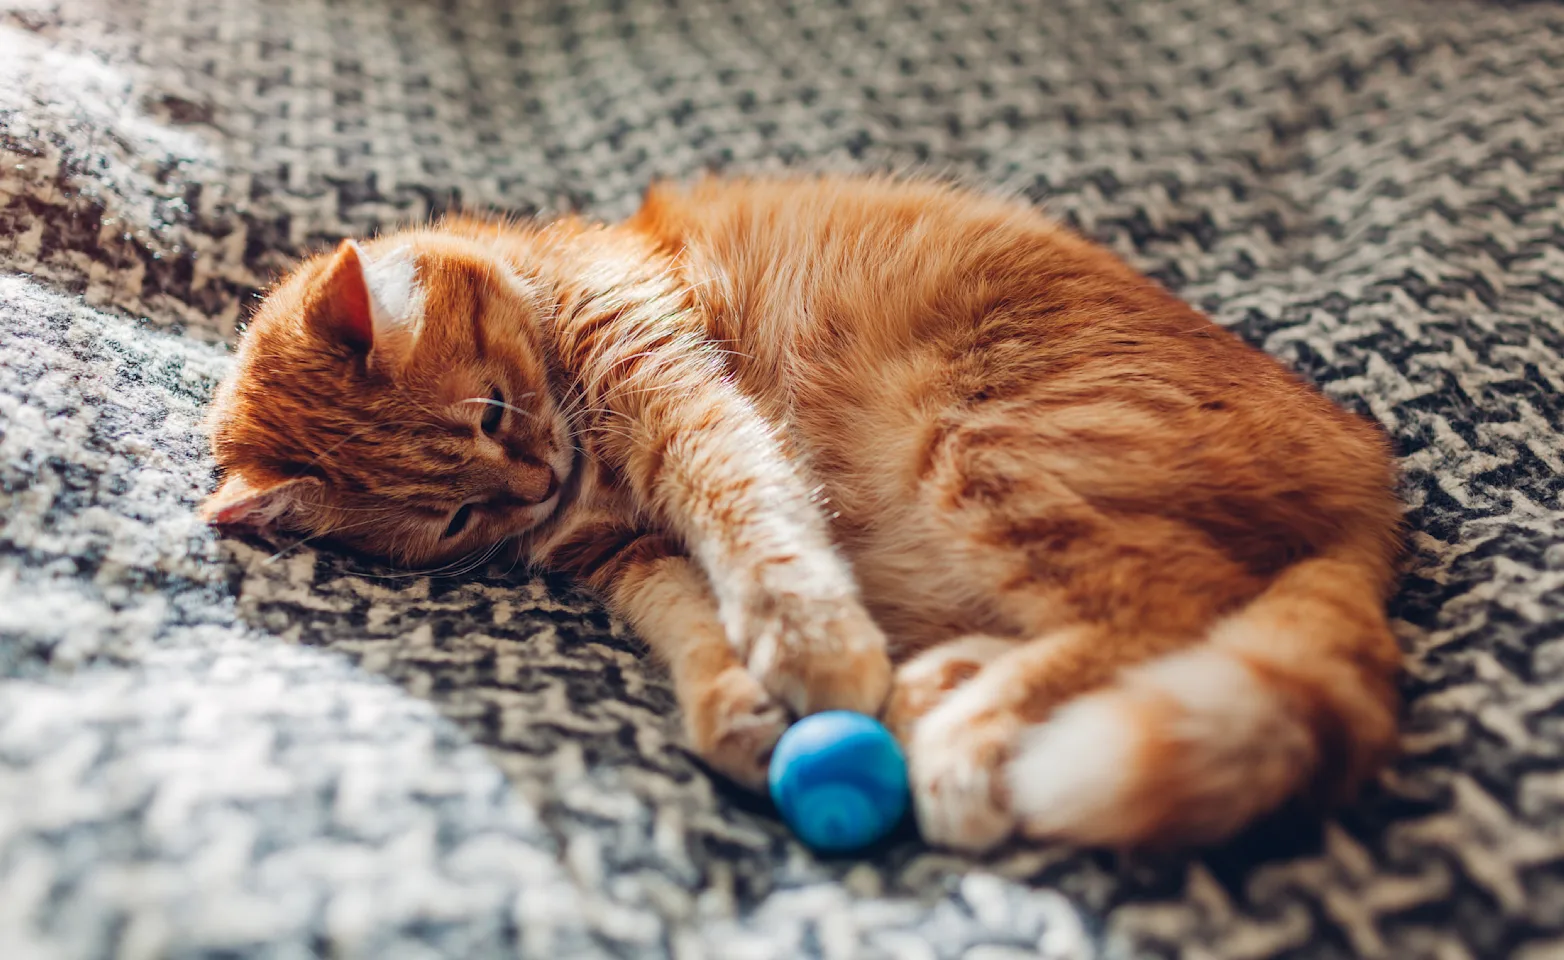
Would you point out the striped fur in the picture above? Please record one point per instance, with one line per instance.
(794, 431)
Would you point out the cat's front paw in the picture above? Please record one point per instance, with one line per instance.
(816, 654)
(956, 760)
(734, 725)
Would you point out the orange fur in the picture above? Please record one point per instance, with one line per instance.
(1132, 569)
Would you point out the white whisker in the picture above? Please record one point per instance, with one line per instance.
(502, 404)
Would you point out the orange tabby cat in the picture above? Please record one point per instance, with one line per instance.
(1130, 571)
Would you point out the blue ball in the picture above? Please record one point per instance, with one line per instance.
(839, 780)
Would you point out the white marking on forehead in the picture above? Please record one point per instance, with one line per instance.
(396, 300)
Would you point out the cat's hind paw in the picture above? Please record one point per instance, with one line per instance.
(957, 757)
(734, 726)
(925, 681)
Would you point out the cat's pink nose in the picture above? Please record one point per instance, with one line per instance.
(530, 483)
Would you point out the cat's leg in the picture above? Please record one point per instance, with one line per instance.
(711, 470)
(1295, 694)
(1127, 739)
(1098, 592)
(729, 718)
(702, 463)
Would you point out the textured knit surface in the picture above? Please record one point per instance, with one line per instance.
(225, 748)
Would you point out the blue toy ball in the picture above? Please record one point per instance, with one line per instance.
(839, 780)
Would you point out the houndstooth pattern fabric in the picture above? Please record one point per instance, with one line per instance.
(240, 749)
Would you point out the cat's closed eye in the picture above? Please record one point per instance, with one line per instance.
(459, 520)
(494, 412)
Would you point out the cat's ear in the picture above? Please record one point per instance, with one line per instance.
(242, 503)
(367, 302)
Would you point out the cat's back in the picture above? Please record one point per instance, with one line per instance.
(864, 265)
(845, 259)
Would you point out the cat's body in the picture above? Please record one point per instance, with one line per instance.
(1131, 571)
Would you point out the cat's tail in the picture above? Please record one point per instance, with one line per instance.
(1293, 694)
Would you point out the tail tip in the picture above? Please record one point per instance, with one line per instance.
(1187, 748)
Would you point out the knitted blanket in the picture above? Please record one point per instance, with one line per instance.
(232, 748)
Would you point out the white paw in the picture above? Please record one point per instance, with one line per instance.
(818, 655)
(734, 725)
(928, 678)
(956, 761)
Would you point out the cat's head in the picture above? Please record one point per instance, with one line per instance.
(394, 396)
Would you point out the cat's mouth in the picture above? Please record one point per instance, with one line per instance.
(567, 467)
(567, 484)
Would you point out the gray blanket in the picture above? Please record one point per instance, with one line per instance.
(244, 749)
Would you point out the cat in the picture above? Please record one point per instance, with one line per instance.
(1109, 574)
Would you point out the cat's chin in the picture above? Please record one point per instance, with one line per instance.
(539, 514)
(567, 464)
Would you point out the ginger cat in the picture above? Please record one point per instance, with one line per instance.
(1109, 574)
